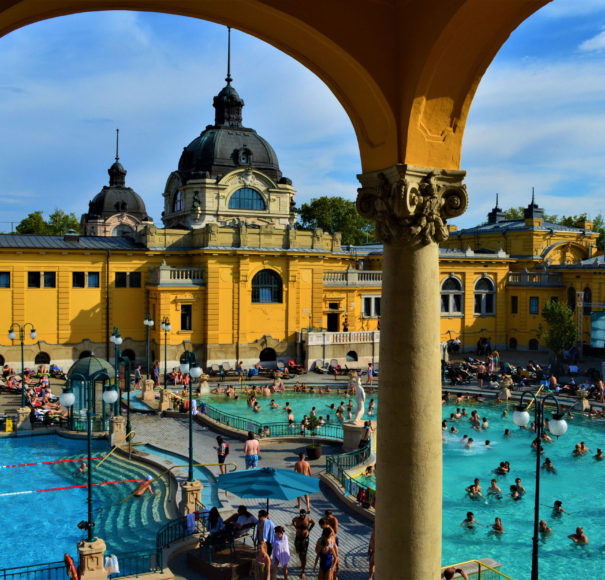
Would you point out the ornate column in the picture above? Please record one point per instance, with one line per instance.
(410, 206)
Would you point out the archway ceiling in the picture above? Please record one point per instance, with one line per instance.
(404, 70)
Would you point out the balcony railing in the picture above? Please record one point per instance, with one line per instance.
(321, 338)
(353, 278)
(165, 275)
(543, 279)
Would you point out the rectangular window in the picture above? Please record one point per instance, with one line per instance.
(186, 316)
(50, 279)
(121, 279)
(534, 305)
(457, 306)
(93, 279)
(367, 307)
(445, 303)
(489, 304)
(370, 306)
(5, 279)
(376, 306)
(33, 279)
(514, 304)
(134, 280)
(478, 303)
(78, 280)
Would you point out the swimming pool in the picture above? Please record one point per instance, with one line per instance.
(301, 404)
(577, 483)
(40, 515)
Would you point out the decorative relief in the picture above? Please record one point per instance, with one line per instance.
(247, 178)
(411, 204)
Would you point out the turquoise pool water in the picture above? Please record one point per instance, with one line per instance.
(209, 491)
(301, 404)
(48, 519)
(578, 483)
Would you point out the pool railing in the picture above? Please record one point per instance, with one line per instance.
(336, 465)
(483, 571)
(138, 563)
(279, 430)
(49, 571)
(177, 529)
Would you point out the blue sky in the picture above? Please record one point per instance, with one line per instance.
(538, 118)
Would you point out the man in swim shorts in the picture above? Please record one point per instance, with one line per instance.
(303, 524)
(143, 487)
(251, 451)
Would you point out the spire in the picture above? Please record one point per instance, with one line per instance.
(228, 104)
(496, 207)
(229, 79)
(533, 211)
(117, 173)
(533, 202)
(496, 215)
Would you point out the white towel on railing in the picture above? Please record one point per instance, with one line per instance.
(111, 565)
(194, 407)
(191, 522)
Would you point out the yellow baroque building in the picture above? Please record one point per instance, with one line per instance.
(237, 281)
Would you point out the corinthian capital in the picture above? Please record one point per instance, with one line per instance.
(411, 204)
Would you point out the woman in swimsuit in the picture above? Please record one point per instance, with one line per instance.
(262, 562)
(327, 559)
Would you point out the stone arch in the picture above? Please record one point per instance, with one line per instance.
(267, 355)
(406, 88)
(85, 354)
(512, 343)
(2, 360)
(129, 354)
(42, 358)
(352, 356)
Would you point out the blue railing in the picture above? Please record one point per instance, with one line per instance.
(49, 571)
(336, 465)
(138, 563)
(327, 431)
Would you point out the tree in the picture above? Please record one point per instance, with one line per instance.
(336, 214)
(560, 331)
(58, 223)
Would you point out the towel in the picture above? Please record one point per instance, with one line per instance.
(194, 407)
(191, 522)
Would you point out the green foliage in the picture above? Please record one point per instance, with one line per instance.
(336, 214)
(58, 223)
(560, 331)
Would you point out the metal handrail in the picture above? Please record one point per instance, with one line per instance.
(44, 571)
(480, 564)
(185, 465)
(133, 432)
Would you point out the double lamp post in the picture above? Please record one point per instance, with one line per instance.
(12, 335)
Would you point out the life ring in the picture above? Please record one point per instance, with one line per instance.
(70, 567)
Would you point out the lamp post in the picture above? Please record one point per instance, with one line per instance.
(67, 399)
(127, 371)
(12, 335)
(117, 341)
(189, 366)
(557, 426)
(166, 327)
(148, 322)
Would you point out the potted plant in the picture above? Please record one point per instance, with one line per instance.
(314, 449)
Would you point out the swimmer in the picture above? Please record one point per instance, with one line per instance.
(548, 466)
(256, 407)
(458, 414)
(474, 490)
(506, 433)
(287, 407)
(557, 509)
(599, 455)
(505, 413)
(369, 470)
(494, 490)
(453, 430)
(487, 444)
(579, 537)
(371, 407)
(544, 529)
(497, 527)
(444, 425)
(577, 452)
(470, 522)
(469, 443)
(273, 404)
(143, 487)
(464, 413)
(546, 438)
(485, 424)
(519, 487)
(583, 447)
(83, 467)
(313, 412)
(514, 493)
(267, 431)
(464, 440)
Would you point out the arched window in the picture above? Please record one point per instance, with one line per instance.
(42, 358)
(247, 198)
(512, 344)
(122, 230)
(266, 288)
(587, 301)
(177, 202)
(452, 296)
(571, 298)
(485, 296)
(2, 361)
(129, 354)
(352, 356)
(533, 344)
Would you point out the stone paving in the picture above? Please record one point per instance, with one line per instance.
(354, 533)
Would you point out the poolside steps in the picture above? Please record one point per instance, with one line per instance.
(126, 526)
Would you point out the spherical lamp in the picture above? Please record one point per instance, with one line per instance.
(521, 416)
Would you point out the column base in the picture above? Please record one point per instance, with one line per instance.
(23, 422)
(148, 393)
(191, 496)
(118, 430)
(351, 432)
(91, 560)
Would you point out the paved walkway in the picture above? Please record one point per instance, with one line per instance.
(354, 533)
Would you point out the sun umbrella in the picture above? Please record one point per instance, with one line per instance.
(268, 482)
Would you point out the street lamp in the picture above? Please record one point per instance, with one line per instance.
(12, 335)
(557, 426)
(117, 341)
(148, 322)
(165, 326)
(189, 366)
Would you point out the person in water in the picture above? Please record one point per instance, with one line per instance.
(469, 522)
(548, 466)
(544, 529)
(579, 537)
(497, 527)
(143, 487)
(494, 490)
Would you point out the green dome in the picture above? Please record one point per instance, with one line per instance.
(91, 367)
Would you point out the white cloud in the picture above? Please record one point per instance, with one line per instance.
(567, 8)
(594, 44)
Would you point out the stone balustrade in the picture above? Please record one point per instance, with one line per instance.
(353, 278)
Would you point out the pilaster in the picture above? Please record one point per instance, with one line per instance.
(191, 496)
(23, 422)
(118, 430)
(410, 206)
(91, 560)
